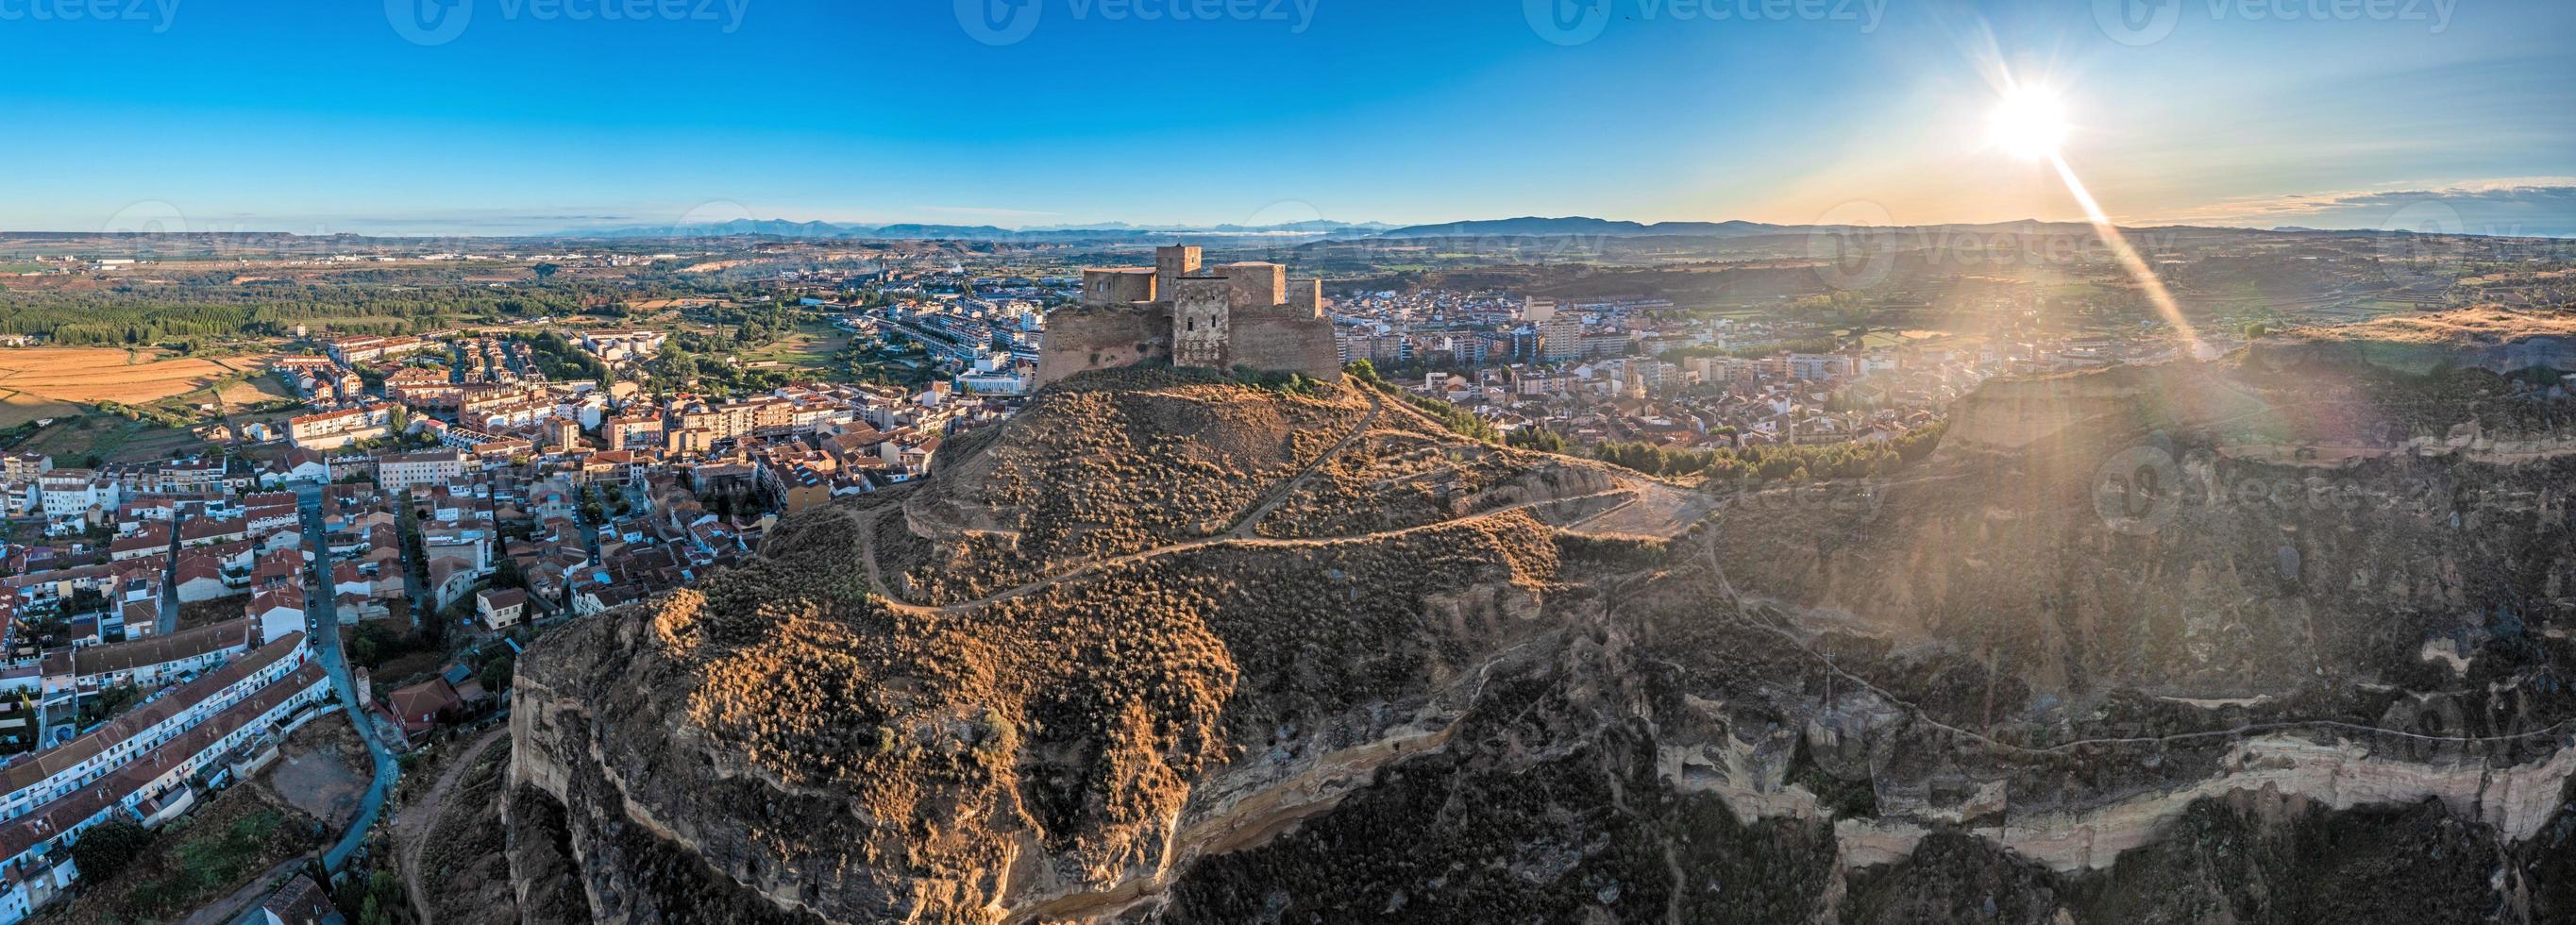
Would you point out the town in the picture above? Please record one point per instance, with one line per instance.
(412, 509)
(1196, 462)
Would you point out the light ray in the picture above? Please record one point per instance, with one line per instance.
(2128, 257)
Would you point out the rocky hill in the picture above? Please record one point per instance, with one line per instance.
(2247, 641)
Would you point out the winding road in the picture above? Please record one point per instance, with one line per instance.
(1239, 535)
(322, 623)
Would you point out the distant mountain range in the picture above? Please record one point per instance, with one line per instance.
(1532, 226)
(781, 228)
(1116, 232)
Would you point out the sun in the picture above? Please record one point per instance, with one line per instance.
(2029, 123)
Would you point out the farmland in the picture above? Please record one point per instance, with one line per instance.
(89, 375)
(82, 388)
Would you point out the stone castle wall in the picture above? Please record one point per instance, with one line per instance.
(1255, 284)
(1085, 338)
(1118, 286)
(1286, 340)
(1238, 314)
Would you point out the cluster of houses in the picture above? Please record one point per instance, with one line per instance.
(453, 480)
(1616, 369)
(586, 496)
(485, 398)
(214, 702)
(122, 566)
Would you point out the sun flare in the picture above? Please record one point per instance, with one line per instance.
(2028, 123)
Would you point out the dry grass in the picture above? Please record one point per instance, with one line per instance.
(465, 871)
(19, 408)
(97, 374)
(2461, 327)
(321, 770)
(221, 846)
(1110, 465)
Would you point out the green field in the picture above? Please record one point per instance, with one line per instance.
(811, 347)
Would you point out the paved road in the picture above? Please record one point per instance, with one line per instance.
(170, 583)
(322, 621)
(225, 910)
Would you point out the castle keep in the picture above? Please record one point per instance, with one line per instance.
(1221, 317)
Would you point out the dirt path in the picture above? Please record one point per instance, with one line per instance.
(1240, 535)
(1280, 495)
(877, 582)
(413, 824)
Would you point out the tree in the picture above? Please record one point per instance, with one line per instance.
(384, 894)
(85, 600)
(506, 574)
(546, 270)
(109, 847)
(496, 673)
(1537, 438)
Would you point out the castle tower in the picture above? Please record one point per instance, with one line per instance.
(1215, 317)
(1256, 285)
(1202, 321)
(1172, 263)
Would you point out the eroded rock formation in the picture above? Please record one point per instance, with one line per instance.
(1165, 648)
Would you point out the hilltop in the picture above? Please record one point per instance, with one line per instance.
(1098, 641)
(1170, 647)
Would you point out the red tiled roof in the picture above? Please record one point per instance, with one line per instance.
(81, 805)
(417, 707)
(122, 656)
(46, 764)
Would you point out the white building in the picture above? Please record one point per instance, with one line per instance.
(404, 470)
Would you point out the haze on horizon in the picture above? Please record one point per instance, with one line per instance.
(544, 116)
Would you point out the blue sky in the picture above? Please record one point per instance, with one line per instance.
(501, 116)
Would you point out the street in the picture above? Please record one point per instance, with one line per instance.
(322, 623)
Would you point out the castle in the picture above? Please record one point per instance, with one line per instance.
(1221, 317)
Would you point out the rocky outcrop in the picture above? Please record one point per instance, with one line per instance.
(2493, 339)
(1382, 674)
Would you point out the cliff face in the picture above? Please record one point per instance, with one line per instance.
(1166, 682)
(1164, 648)
(2491, 339)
